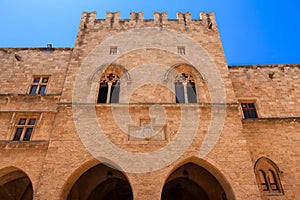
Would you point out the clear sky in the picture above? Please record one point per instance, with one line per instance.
(252, 31)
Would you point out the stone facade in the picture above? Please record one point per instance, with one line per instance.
(146, 145)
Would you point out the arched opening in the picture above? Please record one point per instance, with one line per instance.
(15, 184)
(268, 177)
(109, 89)
(185, 89)
(107, 81)
(191, 181)
(101, 183)
(189, 84)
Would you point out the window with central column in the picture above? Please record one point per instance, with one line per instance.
(185, 89)
(268, 177)
(109, 89)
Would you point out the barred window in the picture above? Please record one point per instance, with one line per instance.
(113, 50)
(181, 50)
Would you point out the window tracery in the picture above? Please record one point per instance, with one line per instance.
(109, 89)
(267, 174)
(185, 89)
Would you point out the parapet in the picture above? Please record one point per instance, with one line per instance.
(160, 19)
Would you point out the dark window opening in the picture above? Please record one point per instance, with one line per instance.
(33, 89)
(42, 89)
(36, 80)
(31, 122)
(38, 85)
(109, 89)
(18, 134)
(185, 89)
(181, 50)
(22, 121)
(115, 92)
(179, 92)
(191, 92)
(113, 50)
(27, 134)
(249, 110)
(102, 96)
(24, 129)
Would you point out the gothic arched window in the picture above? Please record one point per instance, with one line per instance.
(109, 89)
(185, 89)
(267, 174)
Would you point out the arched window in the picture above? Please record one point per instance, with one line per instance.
(109, 89)
(185, 89)
(267, 174)
(263, 180)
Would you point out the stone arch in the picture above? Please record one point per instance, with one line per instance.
(196, 177)
(15, 184)
(201, 86)
(75, 175)
(88, 181)
(268, 160)
(104, 70)
(180, 66)
(267, 175)
(109, 67)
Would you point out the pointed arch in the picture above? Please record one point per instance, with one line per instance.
(267, 175)
(106, 79)
(109, 68)
(97, 180)
(189, 84)
(15, 184)
(207, 181)
(182, 66)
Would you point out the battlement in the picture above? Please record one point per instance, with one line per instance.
(160, 19)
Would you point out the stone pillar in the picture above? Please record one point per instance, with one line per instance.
(186, 100)
(108, 92)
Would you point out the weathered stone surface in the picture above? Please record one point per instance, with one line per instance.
(73, 133)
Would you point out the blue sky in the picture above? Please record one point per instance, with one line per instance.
(252, 31)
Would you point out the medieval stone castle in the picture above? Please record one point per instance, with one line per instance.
(146, 109)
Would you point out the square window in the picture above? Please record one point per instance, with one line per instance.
(45, 80)
(249, 110)
(113, 50)
(181, 50)
(36, 80)
(22, 122)
(31, 122)
(39, 85)
(23, 129)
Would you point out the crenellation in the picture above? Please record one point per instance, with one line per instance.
(136, 20)
(112, 19)
(160, 18)
(87, 20)
(208, 19)
(137, 16)
(184, 18)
